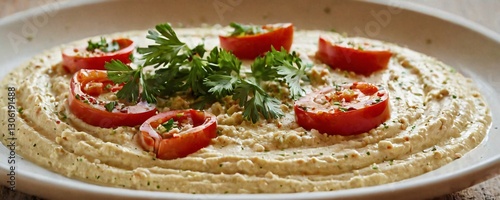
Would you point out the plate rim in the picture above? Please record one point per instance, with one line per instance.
(491, 165)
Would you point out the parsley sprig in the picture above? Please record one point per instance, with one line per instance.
(281, 66)
(180, 69)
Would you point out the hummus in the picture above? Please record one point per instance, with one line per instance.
(437, 115)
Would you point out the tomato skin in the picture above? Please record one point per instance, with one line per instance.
(182, 144)
(363, 62)
(72, 62)
(361, 116)
(96, 114)
(251, 46)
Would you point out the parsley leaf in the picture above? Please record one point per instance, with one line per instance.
(120, 73)
(129, 92)
(221, 85)
(198, 72)
(166, 48)
(262, 70)
(284, 66)
(261, 102)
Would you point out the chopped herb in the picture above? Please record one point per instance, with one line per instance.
(343, 109)
(110, 106)
(103, 45)
(20, 110)
(367, 153)
(169, 125)
(98, 177)
(378, 100)
(63, 115)
(454, 96)
(240, 29)
(77, 97)
(385, 125)
(303, 107)
(375, 167)
(398, 98)
(108, 86)
(434, 149)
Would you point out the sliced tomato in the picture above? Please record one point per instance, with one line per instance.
(361, 58)
(193, 131)
(75, 59)
(251, 46)
(344, 110)
(84, 102)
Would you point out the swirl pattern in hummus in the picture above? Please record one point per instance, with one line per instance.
(437, 115)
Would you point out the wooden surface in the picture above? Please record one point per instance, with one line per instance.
(484, 12)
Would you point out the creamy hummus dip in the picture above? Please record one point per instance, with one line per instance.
(437, 115)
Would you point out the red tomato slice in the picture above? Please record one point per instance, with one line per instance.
(194, 131)
(75, 59)
(87, 85)
(359, 58)
(251, 46)
(344, 110)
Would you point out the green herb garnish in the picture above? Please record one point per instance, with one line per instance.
(240, 29)
(103, 45)
(110, 106)
(180, 69)
(169, 125)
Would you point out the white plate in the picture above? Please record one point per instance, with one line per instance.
(472, 49)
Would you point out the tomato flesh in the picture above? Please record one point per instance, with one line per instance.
(344, 110)
(86, 86)
(203, 127)
(75, 59)
(361, 60)
(251, 46)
